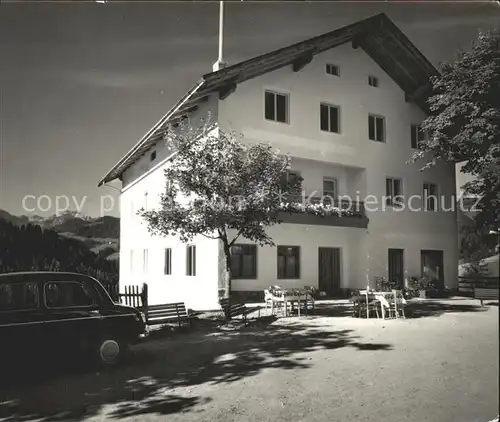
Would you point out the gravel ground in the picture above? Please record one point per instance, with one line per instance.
(440, 366)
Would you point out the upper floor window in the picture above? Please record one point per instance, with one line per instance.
(329, 118)
(167, 270)
(153, 155)
(373, 81)
(393, 192)
(417, 136)
(191, 260)
(430, 197)
(276, 107)
(290, 177)
(330, 187)
(376, 128)
(332, 69)
(244, 261)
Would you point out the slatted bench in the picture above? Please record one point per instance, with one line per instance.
(168, 313)
(236, 309)
(486, 293)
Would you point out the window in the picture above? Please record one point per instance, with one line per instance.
(393, 192)
(276, 107)
(167, 270)
(332, 69)
(288, 262)
(19, 296)
(291, 177)
(376, 128)
(430, 197)
(373, 81)
(191, 260)
(145, 261)
(417, 136)
(153, 155)
(244, 261)
(329, 118)
(330, 188)
(131, 261)
(65, 294)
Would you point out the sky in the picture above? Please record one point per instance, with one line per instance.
(81, 83)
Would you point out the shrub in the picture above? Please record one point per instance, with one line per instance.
(420, 283)
(384, 285)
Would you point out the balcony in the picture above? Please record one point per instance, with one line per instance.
(315, 211)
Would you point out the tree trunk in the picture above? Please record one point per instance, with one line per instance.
(227, 278)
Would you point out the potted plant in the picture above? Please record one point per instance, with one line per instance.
(384, 285)
(420, 285)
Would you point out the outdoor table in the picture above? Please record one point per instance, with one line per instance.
(298, 296)
(381, 297)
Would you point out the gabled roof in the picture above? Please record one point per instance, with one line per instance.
(378, 36)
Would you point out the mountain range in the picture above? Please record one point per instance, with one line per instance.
(100, 235)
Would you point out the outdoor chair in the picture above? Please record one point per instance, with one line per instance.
(268, 298)
(370, 305)
(310, 299)
(363, 305)
(396, 304)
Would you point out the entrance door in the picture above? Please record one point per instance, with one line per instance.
(432, 266)
(329, 270)
(396, 267)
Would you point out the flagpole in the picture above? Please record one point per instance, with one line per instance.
(221, 30)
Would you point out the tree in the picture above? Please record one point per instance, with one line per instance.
(475, 245)
(216, 186)
(464, 124)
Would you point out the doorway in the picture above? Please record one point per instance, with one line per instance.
(396, 267)
(432, 265)
(329, 270)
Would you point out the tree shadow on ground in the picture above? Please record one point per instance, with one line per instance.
(435, 309)
(412, 309)
(143, 384)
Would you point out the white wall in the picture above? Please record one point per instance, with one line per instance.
(309, 238)
(349, 179)
(359, 163)
(144, 164)
(198, 292)
(364, 256)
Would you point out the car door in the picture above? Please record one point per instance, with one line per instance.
(21, 320)
(72, 314)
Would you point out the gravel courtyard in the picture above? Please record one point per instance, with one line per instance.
(440, 366)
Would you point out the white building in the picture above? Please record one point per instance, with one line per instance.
(373, 83)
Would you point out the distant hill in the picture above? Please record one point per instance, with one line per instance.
(4, 215)
(29, 247)
(100, 235)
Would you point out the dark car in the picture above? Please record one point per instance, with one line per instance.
(64, 312)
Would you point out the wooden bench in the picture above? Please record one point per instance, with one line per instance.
(236, 309)
(168, 313)
(486, 293)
